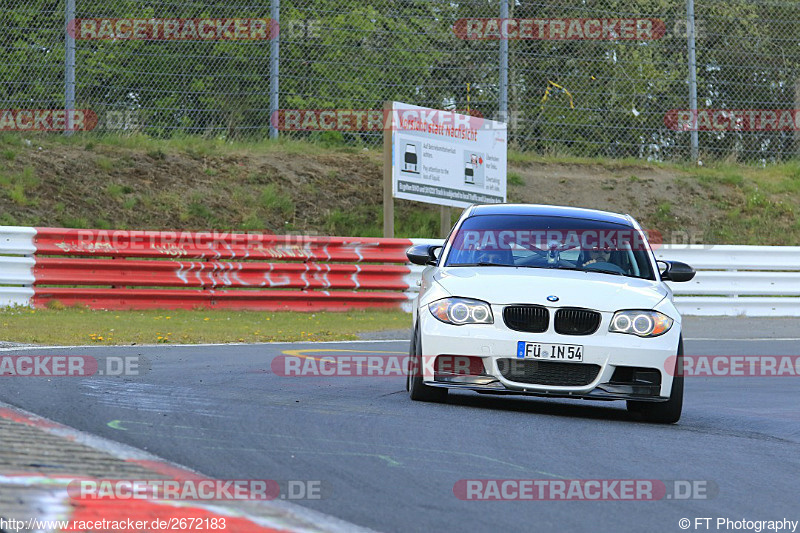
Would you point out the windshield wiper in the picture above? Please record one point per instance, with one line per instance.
(577, 269)
(553, 267)
(481, 264)
(613, 273)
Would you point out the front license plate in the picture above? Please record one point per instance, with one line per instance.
(554, 352)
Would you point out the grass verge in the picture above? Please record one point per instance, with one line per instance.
(319, 187)
(75, 326)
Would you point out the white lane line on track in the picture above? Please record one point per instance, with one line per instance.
(313, 343)
(55, 347)
(761, 339)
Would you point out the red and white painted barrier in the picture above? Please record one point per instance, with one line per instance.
(117, 269)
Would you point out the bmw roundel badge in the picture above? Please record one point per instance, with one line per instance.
(552, 298)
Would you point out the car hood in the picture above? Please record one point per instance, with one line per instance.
(592, 290)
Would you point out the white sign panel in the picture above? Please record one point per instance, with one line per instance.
(444, 158)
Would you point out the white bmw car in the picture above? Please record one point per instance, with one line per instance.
(548, 301)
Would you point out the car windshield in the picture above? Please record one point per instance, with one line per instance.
(551, 242)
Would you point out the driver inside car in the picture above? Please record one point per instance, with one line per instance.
(610, 255)
(495, 257)
(490, 257)
(598, 255)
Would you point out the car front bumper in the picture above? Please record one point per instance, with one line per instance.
(620, 360)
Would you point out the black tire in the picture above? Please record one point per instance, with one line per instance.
(667, 412)
(417, 389)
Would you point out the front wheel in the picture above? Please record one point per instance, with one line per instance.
(667, 412)
(414, 383)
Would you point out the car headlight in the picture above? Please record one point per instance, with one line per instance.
(459, 311)
(641, 323)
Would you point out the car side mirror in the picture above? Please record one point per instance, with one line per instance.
(676, 271)
(423, 254)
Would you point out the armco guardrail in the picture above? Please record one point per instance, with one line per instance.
(738, 280)
(158, 269)
(162, 269)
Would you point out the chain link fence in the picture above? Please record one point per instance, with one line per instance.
(593, 78)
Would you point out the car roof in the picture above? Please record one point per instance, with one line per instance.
(549, 210)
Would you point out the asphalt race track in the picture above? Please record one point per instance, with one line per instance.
(390, 464)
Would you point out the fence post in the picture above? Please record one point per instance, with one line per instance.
(690, 33)
(503, 88)
(274, 65)
(445, 221)
(388, 162)
(69, 67)
(797, 110)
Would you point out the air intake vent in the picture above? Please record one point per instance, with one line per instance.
(548, 372)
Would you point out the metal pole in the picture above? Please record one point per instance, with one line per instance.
(388, 161)
(274, 64)
(69, 67)
(503, 98)
(690, 33)
(797, 106)
(445, 221)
